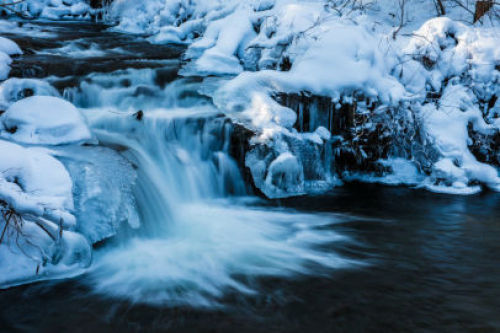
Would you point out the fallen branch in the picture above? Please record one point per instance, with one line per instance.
(11, 3)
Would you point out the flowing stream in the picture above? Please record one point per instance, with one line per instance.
(197, 240)
(209, 254)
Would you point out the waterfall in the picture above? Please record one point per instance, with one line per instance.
(202, 235)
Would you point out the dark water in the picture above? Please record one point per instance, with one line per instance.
(434, 266)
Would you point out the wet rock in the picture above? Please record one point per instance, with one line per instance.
(139, 115)
(314, 111)
(486, 148)
(238, 148)
(369, 132)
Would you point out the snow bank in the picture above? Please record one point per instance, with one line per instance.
(341, 59)
(459, 65)
(44, 120)
(9, 47)
(451, 49)
(447, 127)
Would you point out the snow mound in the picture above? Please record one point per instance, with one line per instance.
(224, 44)
(44, 120)
(7, 48)
(447, 48)
(15, 89)
(33, 182)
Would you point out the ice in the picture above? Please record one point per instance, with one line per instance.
(36, 256)
(103, 190)
(400, 172)
(44, 120)
(285, 175)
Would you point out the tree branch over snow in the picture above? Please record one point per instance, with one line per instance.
(13, 3)
(402, 4)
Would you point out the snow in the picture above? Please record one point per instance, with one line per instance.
(447, 127)
(44, 120)
(465, 56)
(55, 9)
(15, 89)
(63, 199)
(7, 48)
(222, 44)
(38, 242)
(29, 259)
(401, 172)
(33, 182)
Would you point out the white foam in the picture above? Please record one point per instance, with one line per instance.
(207, 249)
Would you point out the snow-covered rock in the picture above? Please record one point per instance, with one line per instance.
(7, 48)
(15, 89)
(44, 120)
(33, 182)
(447, 128)
(36, 203)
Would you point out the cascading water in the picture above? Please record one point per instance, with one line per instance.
(197, 240)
